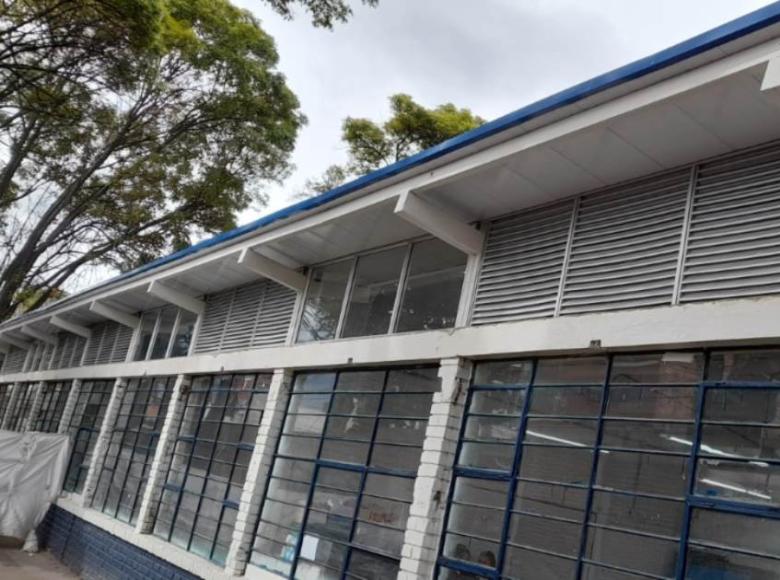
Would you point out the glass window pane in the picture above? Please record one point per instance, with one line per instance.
(148, 320)
(570, 432)
(655, 436)
(492, 429)
(503, 373)
(503, 402)
(522, 564)
(481, 522)
(164, 329)
(545, 534)
(742, 405)
(484, 492)
(487, 456)
(644, 514)
(642, 473)
(745, 365)
(557, 464)
(184, 333)
(433, 286)
(705, 563)
(470, 549)
(373, 293)
(663, 367)
(741, 532)
(551, 500)
(571, 371)
(638, 402)
(632, 552)
(324, 297)
(740, 441)
(566, 401)
(750, 482)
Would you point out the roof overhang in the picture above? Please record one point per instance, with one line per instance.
(693, 101)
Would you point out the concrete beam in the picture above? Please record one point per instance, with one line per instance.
(38, 335)
(71, 327)
(111, 313)
(176, 297)
(24, 345)
(440, 223)
(772, 73)
(271, 269)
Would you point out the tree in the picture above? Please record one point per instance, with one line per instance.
(410, 129)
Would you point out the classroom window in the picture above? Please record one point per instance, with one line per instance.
(165, 333)
(409, 287)
(134, 437)
(207, 469)
(22, 406)
(343, 474)
(53, 398)
(84, 428)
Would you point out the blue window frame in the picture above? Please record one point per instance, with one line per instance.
(343, 475)
(22, 407)
(84, 428)
(208, 466)
(53, 399)
(585, 468)
(134, 438)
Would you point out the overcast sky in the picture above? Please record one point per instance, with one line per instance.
(493, 56)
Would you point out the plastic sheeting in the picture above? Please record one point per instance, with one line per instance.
(32, 467)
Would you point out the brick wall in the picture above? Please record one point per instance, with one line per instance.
(93, 553)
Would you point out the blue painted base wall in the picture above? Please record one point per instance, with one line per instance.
(93, 553)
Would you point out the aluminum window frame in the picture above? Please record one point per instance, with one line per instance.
(155, 330)
(126, 439)
(6, 391)
(691, 500)
(165, 529)
(350, 286)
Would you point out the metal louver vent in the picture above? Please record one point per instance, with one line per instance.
(626, 245)
(522, 264)
(14, 360)
(109, 343)
(253, 315)
(734, 237)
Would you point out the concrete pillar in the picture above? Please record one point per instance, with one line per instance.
(103, 441)
(154, 484)
(426, 514)
(258, 472)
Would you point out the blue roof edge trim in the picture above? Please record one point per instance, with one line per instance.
(732, 30)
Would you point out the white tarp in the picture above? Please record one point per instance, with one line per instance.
(32, 467)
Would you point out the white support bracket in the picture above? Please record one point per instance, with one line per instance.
(38, 335)
(24, 345)
(272, 270)
(71, 327)
(176, 297)
(440, 223)
(772, 73)
(111, 313)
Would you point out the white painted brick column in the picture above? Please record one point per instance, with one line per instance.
(258, 472)
(70, 406)
(103, 441)
(15, 392)
(35, 407)
(426, 514)
(154, 485)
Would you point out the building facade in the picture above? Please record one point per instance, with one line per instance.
(547, 349)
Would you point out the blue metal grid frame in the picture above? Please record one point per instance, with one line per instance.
(134, 438)
(53, 399)
(22, 407)
(84, 428)
(653, 499)
(6, 389)
(342, 480)
(207, 469)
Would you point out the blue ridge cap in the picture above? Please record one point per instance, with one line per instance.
(694, 46)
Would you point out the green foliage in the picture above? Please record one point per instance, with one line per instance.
(324, 13)
(128, 127)
(411, 128)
